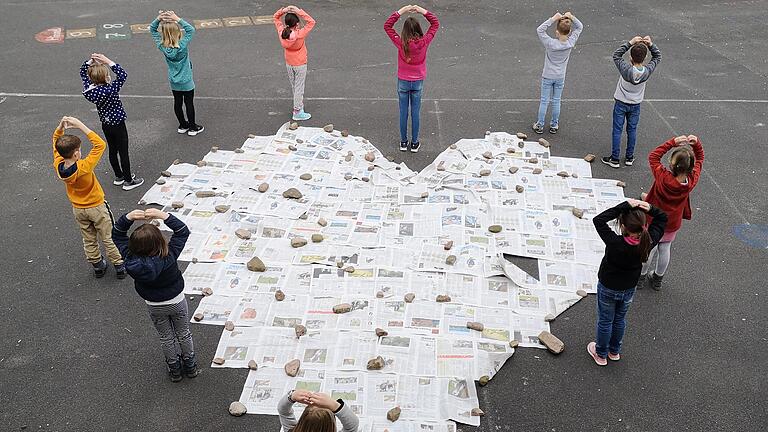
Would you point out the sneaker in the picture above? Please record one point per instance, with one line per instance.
(628, 161)
(133, 184)
(642, 281)
(174, 371)
(614, 357)
(189, 366)
(655, 281)
(592, 350)
(403, 145)
(194, 130)
(553, 129)
(100, 268)
(120, 271)
(538, 128)
(613, 163)
(301, 115)
(182, 130)
(415, 147)
(119, 180)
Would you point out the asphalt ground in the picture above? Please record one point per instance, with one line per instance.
(80, 354)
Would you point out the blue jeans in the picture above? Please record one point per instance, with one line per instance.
(409, 93)
(612, 307)
(630, 113)
(555, 88)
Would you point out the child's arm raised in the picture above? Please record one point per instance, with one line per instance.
(180, 230)
(285, 410)
(84, 74)
(189, 31)
(656, 229)
(434, 23)
(541, 30)
(576, 30)
(57, 133)
(389, 27)
(90, 161)
(276, 19)
(655, 55)
(600, 221)
(156, 34)
(309, 23)
(121, 227)
(698, 151)
(654, 158)
(618, 57)
(120, 75)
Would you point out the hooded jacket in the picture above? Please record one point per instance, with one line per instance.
(631, 86)
(83, 188)
(295, 47)
(669, 194)
(179, 64)
(412, 67)
(156, 278)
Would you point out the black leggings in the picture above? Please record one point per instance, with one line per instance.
(117, 141)
(185, 97)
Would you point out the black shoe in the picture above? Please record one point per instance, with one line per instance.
(628, 161)
(538, 128)
(553, 129)
(100, 268)
(133, 184)
(194, 130)
(182, 129)
(403, 145)
(415, 147)
(174, 371)
(643, 281)
(190, 367)
(655, 281)
(613, 163)
(120, 271)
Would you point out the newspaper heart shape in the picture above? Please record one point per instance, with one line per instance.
(414, 260)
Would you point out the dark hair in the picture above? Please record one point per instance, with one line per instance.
(564, 26)
(411, 31)
(147, 240)
(633, 222)
(638, 52)
(682, 161)
(291, 19)
(67, 145)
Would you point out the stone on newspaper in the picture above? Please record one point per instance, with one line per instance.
(205, 194)
(477, 412)
(381, 332)
(393, 414)
(177, 204)
(513, 343)
(549, 317)
(442, 298)
(322, 222)
(485, 172)
(328, 128)
(579, 213)
(252, 365)
(255, 264)
(375, 363)
(344, 133)
(263, 187)
(292, 367)
(522, 136)
(448, 245)
(214, 149)
(293, 126)
(306, 176)
(160, 181)
(218, 360)
(450, 260)
(494, 228)
(198, 316)
(201, 163)
(513, 169)
(279, 295)
(349, 269)
(300, 330)
(483, 381)
(207, 291)
(536, 170)
(370, 157)
(581, 293)
(621, 184)
(292, 193)
(342, 308)
(519, 188)
(229, 326)
(474, 325)
(317, 238)
(221, 208)
(409, 298)
(563, 174)
(298, 242)
(165, 173)
(488, 155)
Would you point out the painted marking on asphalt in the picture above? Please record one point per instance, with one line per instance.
(755, 236)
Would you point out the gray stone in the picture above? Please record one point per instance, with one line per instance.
(375, 363)
(205, 194)
(328, 128)
(442, 298)
(218, 360)
(292, 147)
(176, 161)
(494, 228)
(201, 163)
(621, 184)
(255, 264)
(575, 175)
(263, 187)
(379, 294)
(304, 216)
(207, 291)
(424, 194)
(292, 367)
(299, 141)
(483, 381)
(553, 344)
(347, 176)
(511, 150)
(221, 208)
(533, 160)
(300, 330)
(239, 150)
(237, 409)
(453, 146)
(563, 174)
(345, 133)
(292, 193)
(339, 263)
(165, 173)
(214, 149)
(488, 155)
(380, 332)
(477, 412)
(160, 181)
(581, 293)
(513, 343)
(549, 317)
(513, 169)
(579, 213)
(252, 365)
(342, 308)
(306, 176)
(279, 295)
(365, 179)
(298, 242)
(371, 167)
(177, 204)
(590, 158)
(544, 143)
(522, 136)
(537, 171)
(393, 414)
(474, 325)
(370, 157)
(322, 222)
(349, 269)
(317, 238)
(519, 189)
(198, 316)
(450, 260)
(229, 326)
(485, 172)
(409, 298)
(448, 245)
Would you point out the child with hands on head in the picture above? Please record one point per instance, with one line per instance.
(620, 269)
(670, 192)
(292, 35)
(151, 261)
(319, 415)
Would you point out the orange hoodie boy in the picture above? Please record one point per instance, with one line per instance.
(85, 193)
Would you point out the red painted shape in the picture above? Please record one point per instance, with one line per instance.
(51, 35)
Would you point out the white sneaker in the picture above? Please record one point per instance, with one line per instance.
(182, 130)
(195, 130)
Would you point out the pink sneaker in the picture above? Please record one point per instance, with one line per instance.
(614, 357)
(591, 349)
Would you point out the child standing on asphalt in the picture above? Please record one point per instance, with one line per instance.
(412, 45)
(670, 192)
(630, 91)
(319, 415)
(101, 90)
(557, 52)
(166, 32)
(91, 211)
(151, 262)
(620, 271)
(292, 34)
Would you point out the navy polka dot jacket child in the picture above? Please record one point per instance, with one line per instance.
(106, 97)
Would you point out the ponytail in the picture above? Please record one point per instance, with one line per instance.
(644, 248)
(682, 161)
(291, 20)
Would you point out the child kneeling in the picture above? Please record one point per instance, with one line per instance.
(151, 262)
(319, 415)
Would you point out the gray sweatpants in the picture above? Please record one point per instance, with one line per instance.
(297, 75)
(172, 324)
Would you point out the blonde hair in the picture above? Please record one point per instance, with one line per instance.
(315, 419)
(98, 73)
(170, 33)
